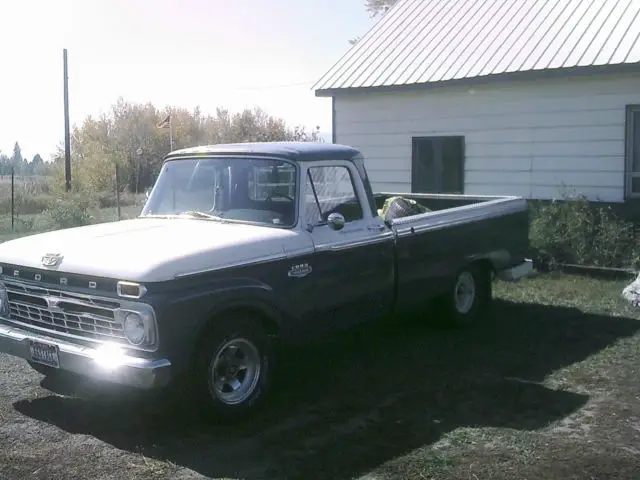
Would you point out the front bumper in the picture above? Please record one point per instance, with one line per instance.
(102, 363)
(514, 274)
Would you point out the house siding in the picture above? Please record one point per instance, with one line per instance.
(525, 138)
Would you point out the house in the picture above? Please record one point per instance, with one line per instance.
(519, 97)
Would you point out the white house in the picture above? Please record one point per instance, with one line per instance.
(522, 97)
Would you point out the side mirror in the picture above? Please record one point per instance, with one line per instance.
(335, 221)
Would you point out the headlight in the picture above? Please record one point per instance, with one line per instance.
(138, 325)
(134, 328)
(4, 301)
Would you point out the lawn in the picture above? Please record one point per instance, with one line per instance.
(545, 389)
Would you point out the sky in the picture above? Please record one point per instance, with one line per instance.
(186, 53)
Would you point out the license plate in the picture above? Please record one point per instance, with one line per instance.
(44, 353)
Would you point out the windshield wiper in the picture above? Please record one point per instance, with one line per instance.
(198, 214)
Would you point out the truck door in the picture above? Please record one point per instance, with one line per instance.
(353, 265)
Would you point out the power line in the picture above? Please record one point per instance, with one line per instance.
(270, 87)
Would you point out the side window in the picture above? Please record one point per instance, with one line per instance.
(330, 189)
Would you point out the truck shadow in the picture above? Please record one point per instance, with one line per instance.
(345, 405)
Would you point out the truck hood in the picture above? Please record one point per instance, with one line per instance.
(150, 249)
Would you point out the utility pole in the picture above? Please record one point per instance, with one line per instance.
(67, 140)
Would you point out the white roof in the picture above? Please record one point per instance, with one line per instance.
(426, 41)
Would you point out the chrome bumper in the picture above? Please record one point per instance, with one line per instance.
(514, 274)
(103, 364)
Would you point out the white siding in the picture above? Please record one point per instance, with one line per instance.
(521, 138)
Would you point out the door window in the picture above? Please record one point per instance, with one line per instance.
(330, 189)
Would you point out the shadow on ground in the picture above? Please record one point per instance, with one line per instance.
(343, 407)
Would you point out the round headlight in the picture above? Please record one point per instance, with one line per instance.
(134, 328)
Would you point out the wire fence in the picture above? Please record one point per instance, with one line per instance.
(28, 204)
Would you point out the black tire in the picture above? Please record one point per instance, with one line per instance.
(462, 310)
(251, 344)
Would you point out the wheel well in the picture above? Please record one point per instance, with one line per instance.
(267, 322)
(485, 265)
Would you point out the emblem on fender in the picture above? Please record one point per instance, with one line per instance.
(299, 271)
(51, 260)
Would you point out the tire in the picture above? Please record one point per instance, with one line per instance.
(233, 369)
(469, 298)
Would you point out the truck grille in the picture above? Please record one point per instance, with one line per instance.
(69, 314)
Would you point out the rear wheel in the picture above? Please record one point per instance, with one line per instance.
(233, 368)
(469, 297)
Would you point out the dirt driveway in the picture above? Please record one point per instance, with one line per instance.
(547, 389)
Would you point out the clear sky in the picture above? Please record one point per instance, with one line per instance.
(210, 53)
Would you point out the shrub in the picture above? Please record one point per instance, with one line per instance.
(70, 211)
(108, 199)
(574, 230)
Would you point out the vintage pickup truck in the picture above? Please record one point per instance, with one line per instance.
(238, 247)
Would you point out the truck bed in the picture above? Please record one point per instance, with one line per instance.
(456, 208)
(441, 201)
(458, 229)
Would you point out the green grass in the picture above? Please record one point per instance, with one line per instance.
(546, 388)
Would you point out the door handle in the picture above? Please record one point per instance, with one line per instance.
(375, 228)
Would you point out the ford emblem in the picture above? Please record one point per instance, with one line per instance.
(51, 260)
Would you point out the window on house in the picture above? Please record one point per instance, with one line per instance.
(633, 151)
(330, 189)
(437, 165)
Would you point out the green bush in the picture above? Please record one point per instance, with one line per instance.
(70, 211)
(28, 204)
(108, 199)
(577, 231)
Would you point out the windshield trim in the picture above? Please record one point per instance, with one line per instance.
(228, 155)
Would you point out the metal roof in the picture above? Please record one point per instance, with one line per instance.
(301, 151)
(427, 41)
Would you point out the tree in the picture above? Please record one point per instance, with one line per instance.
(16, 158)
(128, 135)
(37, 165)
(300, 135)
(5, 164)
(376, 7)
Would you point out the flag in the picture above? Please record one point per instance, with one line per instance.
(166, 123)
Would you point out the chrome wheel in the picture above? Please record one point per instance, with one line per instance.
(234, 371)
(465, 292)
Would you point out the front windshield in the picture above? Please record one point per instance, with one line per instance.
(253, 190)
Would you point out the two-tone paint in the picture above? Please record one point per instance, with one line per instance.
(300, 281)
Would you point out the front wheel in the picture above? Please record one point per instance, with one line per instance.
(234, 366)
(469, 297)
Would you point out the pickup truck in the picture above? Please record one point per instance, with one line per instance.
(241, 247)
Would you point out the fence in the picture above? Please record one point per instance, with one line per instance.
(29, 205)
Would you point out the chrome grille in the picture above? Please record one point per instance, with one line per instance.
(65, 313)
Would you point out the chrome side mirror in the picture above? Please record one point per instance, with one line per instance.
(335, 221)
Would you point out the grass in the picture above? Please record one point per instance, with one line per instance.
(545, 389)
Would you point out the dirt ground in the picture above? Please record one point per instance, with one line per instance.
(546, 389)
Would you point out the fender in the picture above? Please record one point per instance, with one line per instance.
(258, 300)
(189, 309)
